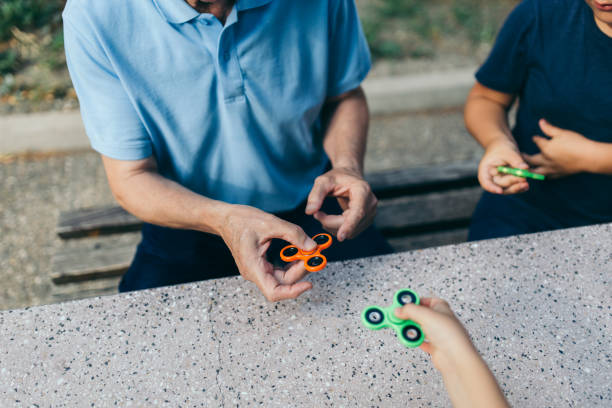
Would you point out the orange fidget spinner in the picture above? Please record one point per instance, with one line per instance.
(313, 260)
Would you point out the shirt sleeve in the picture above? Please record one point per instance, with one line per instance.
(349, 55)
(505, 70)
(111, 122)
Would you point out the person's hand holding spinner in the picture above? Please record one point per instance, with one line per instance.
(314, 261)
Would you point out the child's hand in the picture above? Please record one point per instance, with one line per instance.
(468, 380)
(565, 153)
(502, 153)
(445, 336)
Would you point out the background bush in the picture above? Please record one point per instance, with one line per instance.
(33, 74)
(28, 15)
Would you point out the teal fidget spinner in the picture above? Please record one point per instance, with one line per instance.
(409, 333)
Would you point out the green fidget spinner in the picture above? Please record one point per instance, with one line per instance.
(409, 333)
(521, 173)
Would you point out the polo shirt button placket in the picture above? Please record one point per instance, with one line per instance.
(232, 82)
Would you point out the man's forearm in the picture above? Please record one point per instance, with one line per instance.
(348, 120)
(158, 200)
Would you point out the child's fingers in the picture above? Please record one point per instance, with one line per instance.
(517, 161)
(486, 182)
(437, 304)
(505, 181)
(488, 185)
(517, 188)
(416, 313)
(424, 313)
(426, 347)
(545, 170)
(541, 142)
(537, 160)
(550, 130)
(427, 301)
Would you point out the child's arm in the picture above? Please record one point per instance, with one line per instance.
(468, 380)
(568, 152)
(486, 118)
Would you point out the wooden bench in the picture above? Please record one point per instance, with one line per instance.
(419, 208)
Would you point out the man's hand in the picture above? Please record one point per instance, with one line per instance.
(502, 153)
(354, 196)
(565, 153)
(247, 232)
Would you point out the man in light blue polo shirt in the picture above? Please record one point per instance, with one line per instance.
(225, 124)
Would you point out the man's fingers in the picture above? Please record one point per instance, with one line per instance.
(275, 291)
(321, 189)
(356, 213)
(294, 235)
(352, 218)
(330, 223)
(294, 273)
(284, 292)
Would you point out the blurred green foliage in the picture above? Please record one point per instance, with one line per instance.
(414, 28)
(8, 62)
(27, 15)
(33, 66)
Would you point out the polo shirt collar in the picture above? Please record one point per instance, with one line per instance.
(178, 11)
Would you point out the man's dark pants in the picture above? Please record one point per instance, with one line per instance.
(167, 256)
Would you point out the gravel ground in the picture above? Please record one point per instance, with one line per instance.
(33, 191)
(420, 139)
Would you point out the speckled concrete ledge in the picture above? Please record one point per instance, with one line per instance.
(539, 308)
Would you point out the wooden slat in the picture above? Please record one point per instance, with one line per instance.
(409, 181)
(83, 290)
(96, 262)
(96, 221)
(424, 209)
(429, 240)
(111, 219)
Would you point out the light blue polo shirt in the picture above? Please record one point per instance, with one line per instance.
(230, 112)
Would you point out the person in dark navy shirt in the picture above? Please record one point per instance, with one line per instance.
(555, 58)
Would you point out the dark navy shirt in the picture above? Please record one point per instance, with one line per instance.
(552, 55)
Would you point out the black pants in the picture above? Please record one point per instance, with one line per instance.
(499, 216)
(168, 256)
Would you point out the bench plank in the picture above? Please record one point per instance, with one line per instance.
(429, 240)
(397, 183)
(112, 219)
(96, 221)
(83, 290)
(433, 208)
(412, 222)
(98, 262)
